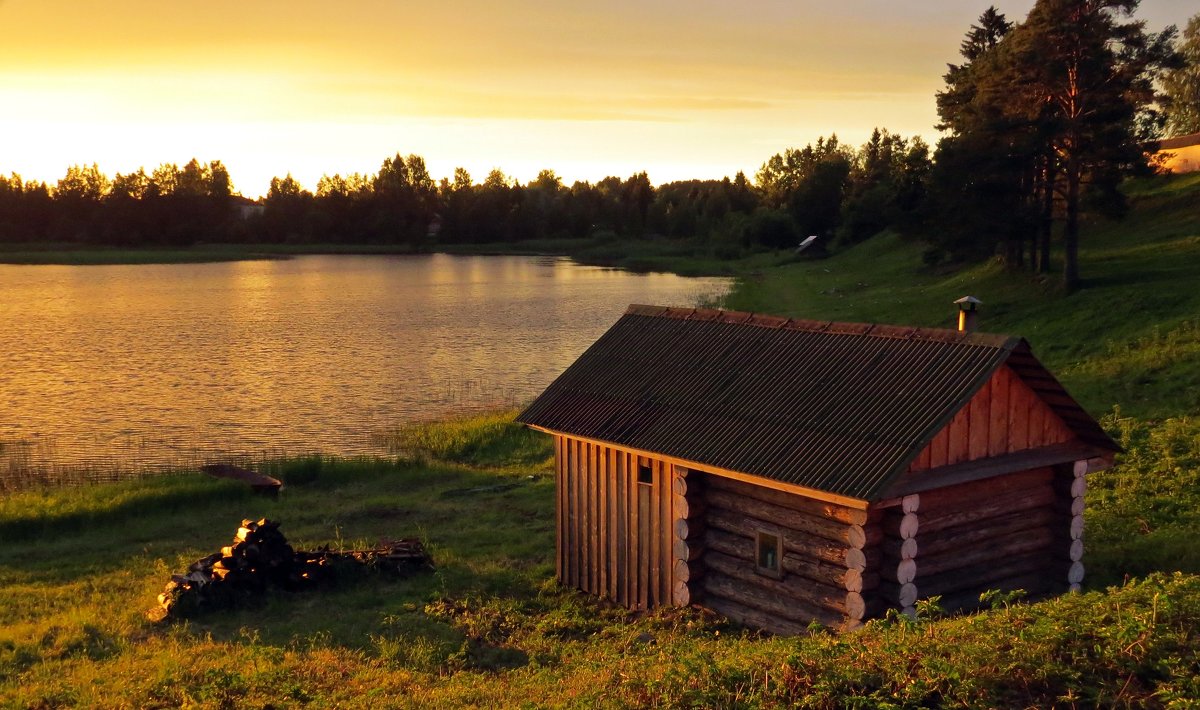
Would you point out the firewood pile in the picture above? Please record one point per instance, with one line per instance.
(260, 558)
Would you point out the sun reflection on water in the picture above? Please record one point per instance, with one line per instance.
(110, 371)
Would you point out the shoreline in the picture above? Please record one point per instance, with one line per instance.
(683, 258)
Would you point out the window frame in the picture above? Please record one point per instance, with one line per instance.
(759, 547)
(647, 466)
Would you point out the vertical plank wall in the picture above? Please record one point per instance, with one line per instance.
(1004, 416)
(614, 534)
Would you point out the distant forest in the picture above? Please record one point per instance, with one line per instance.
(826, 189)
(1041, 122)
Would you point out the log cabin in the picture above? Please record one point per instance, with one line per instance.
(782, 471)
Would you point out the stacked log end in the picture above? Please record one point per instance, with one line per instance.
(688, 529)
(823, 575)
(1071, 491)
(899, 564)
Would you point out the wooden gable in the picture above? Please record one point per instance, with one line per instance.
(1004, 417)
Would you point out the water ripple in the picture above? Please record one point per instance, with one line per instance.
(108, 371)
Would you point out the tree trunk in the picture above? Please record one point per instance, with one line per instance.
(1071, 227)
(1036, 185)
(1047, 217)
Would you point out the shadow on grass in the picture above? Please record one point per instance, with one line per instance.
(88, 510)
(159, 501)
(415, 623)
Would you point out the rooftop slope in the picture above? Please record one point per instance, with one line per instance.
(838, 407)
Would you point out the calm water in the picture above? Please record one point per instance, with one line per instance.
(136, 368)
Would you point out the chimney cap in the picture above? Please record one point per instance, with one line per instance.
(968, 303)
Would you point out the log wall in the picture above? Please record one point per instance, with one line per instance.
(825, 567)
(1005, 416)
(1007, 532)
(1070, 486)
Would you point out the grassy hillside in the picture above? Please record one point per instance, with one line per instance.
(489, 628)
(1129, 336)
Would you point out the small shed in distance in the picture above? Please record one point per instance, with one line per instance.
(784, 471)
(1180, 154)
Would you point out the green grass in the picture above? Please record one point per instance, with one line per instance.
(489, 628)
(491, 440)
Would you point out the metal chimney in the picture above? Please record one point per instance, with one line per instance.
(968, 307)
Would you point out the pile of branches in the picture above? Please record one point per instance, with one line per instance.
(260, 558)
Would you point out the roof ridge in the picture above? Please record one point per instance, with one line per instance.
(883, 330)
(1184, 141)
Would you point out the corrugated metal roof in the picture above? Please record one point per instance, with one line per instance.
(839, 407)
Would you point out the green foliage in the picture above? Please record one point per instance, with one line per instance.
(1143, 514)
(774, 229)
(1045, 121)
(1181, 85)
(483, 440)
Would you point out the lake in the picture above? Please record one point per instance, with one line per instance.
(112, 370)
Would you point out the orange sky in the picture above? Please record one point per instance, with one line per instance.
(680, 88)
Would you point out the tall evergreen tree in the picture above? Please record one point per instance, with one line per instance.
(1084, 70)
(1049, 110)
(979, 200)
(1182, 84)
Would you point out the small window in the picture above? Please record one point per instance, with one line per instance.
(768, 554)
(645, 472)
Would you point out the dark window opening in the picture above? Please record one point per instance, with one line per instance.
(768, 554)
(645, 473)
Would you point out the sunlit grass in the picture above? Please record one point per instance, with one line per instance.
(480, 440)
(491, 628)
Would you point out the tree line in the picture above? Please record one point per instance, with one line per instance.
(1041, 121)
(827, 189)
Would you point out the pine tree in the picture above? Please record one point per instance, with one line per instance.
(1041, 113)
(1182, 84)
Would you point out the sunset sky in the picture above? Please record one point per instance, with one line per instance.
(679, 88)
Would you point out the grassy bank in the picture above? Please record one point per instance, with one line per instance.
(683, 257)
(490, 628)
(71, 255)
